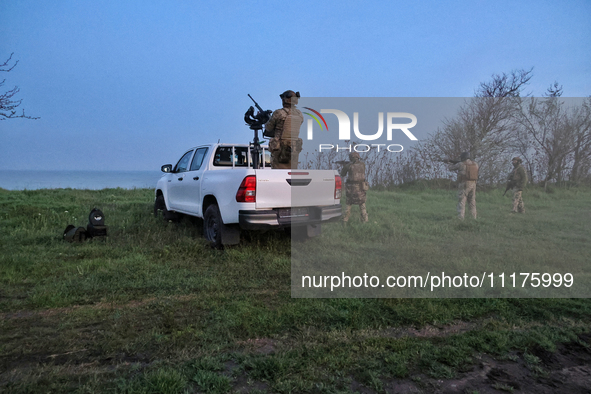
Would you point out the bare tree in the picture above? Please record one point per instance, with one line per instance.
(8, 105)
(523, 142)
(554, 130)
(555, 90)
(483, 126)
(580, 124)
(505, 85)
(553, 138)
(522, 145)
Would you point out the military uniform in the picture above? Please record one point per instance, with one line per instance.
(517, 180)
(285, 145)
(355, 186)
(467, 175)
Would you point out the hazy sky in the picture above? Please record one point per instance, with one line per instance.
(131, 84)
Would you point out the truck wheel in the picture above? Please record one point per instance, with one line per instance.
(160, 205)
(213, 225)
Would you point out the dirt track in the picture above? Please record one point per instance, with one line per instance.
(568, 370)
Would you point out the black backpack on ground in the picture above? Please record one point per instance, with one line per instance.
(96, 223)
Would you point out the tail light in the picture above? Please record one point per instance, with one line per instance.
(338, 184)
(247, 192)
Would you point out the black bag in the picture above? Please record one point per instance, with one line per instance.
(75, 234)
(96, 224)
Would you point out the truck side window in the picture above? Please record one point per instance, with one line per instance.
(198, 159)
(183, 163)
(223, 156)
(241, 157)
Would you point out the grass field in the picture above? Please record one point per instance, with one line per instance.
(153, 309)
(415, 232)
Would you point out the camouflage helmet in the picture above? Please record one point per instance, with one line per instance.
(354, 156)
(286, 97)
(465, 156)
(517, 159)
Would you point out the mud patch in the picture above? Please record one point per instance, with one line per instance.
(568, 370)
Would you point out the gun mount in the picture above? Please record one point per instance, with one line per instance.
(256, 123)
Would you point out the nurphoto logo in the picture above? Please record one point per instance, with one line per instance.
(344, 133)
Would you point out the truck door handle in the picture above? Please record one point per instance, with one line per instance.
(180, 179)
(196, 178)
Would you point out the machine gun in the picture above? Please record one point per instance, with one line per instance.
(256, 123)
(342, 162)
(268, 112)
(448, 161)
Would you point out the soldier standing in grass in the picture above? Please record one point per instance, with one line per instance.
(516, 181)
(467, 170)
(356, 186)
(284, 129)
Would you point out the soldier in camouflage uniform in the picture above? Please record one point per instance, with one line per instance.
(467, 170)
(355, 186)
(517, 180)
(284, 127)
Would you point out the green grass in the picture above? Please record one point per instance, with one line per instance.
(414, 232)
(153, 309)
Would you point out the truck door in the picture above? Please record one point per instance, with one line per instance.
(191, 191)
(177, 181)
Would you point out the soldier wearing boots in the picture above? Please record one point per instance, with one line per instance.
(467, 170)
(284, 129)
(355, 186)
(517, 180)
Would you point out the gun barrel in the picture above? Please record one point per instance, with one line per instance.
(256, 104)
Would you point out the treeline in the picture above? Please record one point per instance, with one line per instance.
(551, 134)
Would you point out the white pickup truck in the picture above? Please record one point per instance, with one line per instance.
(218, 183)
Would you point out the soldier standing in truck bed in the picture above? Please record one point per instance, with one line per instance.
(355, 186)
(467, 170)
(284, 129)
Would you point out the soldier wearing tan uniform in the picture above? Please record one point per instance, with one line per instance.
(517, 180)
(355, 186)
(467, 170)
(284, 128)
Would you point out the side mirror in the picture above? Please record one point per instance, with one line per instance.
(166, 168)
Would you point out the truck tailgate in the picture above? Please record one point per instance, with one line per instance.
(294, 188)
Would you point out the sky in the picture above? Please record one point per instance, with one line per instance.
(131, 85)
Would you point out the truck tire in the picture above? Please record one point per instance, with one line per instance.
(160, 205)
(213, 226)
